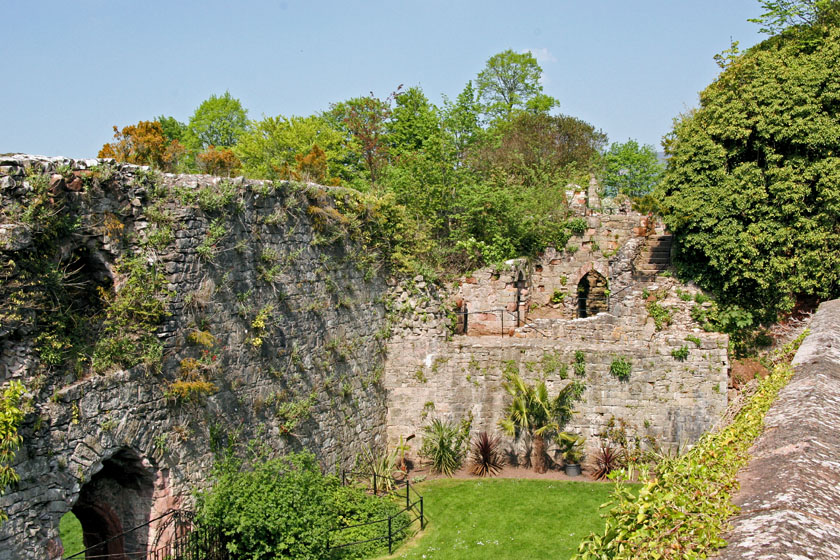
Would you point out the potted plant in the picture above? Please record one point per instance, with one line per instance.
(571, 447)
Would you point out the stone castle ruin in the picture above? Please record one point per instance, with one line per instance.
(277, 328)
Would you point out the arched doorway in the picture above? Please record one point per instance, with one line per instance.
(591, 294)
(117, 499)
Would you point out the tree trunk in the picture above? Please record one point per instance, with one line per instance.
(538, 454)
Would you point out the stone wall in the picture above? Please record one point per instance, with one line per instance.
(431, 371)
(789, 498)
(290, 324)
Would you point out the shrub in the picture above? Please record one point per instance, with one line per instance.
(576, 226)
(285, 508)
(661, 315)
(487, 459)
(279, 508)
(580, 363)
(620, 368)
(443, 444)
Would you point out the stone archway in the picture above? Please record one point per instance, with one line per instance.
(592, 294)
(117, 499)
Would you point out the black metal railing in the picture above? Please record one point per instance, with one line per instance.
(395, 525)
(176, 539)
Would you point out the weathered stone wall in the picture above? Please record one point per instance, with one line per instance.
(790, 491)
(295, 352)
(432, 372)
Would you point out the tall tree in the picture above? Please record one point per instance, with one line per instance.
(272, 147)
(752, 189)
(462, 120)
(511, 81)
(365, 119)
(631, 169)
(219, 121)
(414, 123)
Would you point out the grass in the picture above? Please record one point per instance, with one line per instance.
(506, 519)
(71, 534)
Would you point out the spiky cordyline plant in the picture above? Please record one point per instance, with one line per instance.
(487, 460)
(608, 459)
(443, 446)
(532, 411)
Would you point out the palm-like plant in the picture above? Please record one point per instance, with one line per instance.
(532, 411)
(443, 445)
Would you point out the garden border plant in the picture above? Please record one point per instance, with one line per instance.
(665, 519)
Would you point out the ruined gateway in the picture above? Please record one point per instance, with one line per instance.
(278, 327)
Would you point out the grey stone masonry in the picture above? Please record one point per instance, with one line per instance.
(677, 387)
(292, 327)
(790, 491)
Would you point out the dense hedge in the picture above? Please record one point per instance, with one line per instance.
(681, 512)
(285, 508)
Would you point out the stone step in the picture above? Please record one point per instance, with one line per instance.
(648, 267)
(655, 254)
(659, 245)
(665, 259)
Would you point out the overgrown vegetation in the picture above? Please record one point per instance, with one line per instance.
(620, 368)
(763, 146)
(285, 508)
(11, 415)
(665, 519)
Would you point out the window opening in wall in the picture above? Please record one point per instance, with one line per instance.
(520, 285)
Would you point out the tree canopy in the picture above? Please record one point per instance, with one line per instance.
(631, 169)
(218, 121)
(752, 190)
(511, 81)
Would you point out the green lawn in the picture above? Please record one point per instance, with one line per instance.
(506, 519)
(71, 534)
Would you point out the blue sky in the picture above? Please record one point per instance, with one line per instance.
(75, 68)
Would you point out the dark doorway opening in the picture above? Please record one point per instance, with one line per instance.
(116, 499)
(592, 294)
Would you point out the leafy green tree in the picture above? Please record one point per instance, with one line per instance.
(752, 189)
(172, 128)
(538, 149)
(532, 411)
(511, 81)
(365, 120)
(462, 120)
(219, 121)
(631, 169)
(414, 124)
(272, 147)
(780, 14)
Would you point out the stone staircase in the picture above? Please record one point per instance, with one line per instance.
(654, 258)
